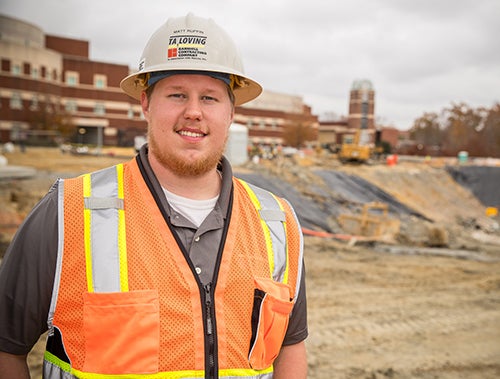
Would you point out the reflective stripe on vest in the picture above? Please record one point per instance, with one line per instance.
(105, 244)
(273, 221)
(53, 368)
(274, 227)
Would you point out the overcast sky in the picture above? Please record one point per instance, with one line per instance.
(420, 55)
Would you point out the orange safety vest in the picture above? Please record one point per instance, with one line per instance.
(127, 303)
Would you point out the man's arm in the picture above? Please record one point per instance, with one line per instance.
(291, 362)
(26, 281)
(13, 366)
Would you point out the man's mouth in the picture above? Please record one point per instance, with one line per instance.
(192, 134)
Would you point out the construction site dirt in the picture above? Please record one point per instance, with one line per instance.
(420, 300)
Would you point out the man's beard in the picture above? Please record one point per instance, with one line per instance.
(180, 166)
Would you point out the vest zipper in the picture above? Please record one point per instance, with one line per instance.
(210, 369)
(211, 362)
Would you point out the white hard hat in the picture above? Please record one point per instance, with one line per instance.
(190, 44)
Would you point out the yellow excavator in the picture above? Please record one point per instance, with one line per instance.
(356, 148)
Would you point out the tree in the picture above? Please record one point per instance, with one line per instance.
(490, 133)
(297, 134)
(48, 117)
(460, 127)
(427, 130)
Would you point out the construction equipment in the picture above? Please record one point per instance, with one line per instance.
(356, 148)
(374, 221)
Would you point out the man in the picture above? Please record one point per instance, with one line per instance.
(165, 266)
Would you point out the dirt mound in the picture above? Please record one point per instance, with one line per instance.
(433, 208)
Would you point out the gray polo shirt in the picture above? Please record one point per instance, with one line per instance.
(28, 268)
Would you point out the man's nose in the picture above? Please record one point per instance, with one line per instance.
(193, 109)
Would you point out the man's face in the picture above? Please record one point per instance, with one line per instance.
(188, 121)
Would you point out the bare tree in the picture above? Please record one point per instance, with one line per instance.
(297, 134)
(490, 132)
(460, 127)
(427, 130)
(51, 118)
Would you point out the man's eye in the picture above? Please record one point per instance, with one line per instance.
(209, 98)
(177, 95)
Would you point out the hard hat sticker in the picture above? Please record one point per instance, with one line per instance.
(186, 45)
(142, 64)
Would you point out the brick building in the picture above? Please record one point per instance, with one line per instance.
(361, 116)
(273, 119)
(361, 105)
(46, 79)
(43, 75)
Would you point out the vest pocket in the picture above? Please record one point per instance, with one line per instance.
(122, 332)
(270, 315)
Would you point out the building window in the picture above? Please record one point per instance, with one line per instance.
(71, 106)
(71, 81)
(16, 70)
(100, 109)
(5, 65)
(16, 102)
(34, 103)
(34, 73)
(72, 78)
(26, 69)
(100, 81)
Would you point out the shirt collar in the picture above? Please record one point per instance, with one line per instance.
(226, 189)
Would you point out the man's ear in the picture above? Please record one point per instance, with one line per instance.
(145, 105)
